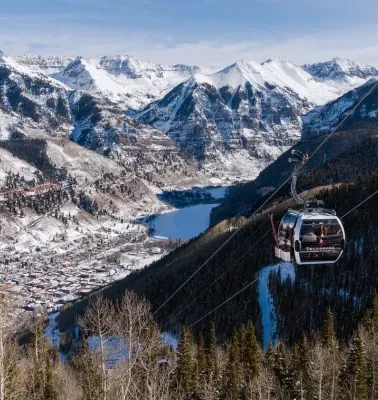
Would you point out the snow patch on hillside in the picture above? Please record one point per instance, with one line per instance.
(277, 73)
(268, 313)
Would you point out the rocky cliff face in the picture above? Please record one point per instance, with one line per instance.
(34, 105)
(341, 72)
(247, 108)
(48, 64)
(324, 120)
(231, 123)
(32, 99)
(126, 80)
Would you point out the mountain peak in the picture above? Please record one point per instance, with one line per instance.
(340, 60)
(129, 66)
(4, 58)
(277, 60)
(341, 69)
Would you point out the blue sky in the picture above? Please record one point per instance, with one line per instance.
(212, 32)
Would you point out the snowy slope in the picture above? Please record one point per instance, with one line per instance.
(277, 72)
(124, 79)
(18, 68)
(48, 64)
(267, 309)
(247, 112)
(31, 99)
(287, 75)
(324, 119)
(36, 105)
(228, 124)
(248, 109)
(82, 75)
(134, 68)
(341, 73)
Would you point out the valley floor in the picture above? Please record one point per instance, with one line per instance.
(45, 263)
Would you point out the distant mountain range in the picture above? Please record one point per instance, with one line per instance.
(231, 122)
(339, 70)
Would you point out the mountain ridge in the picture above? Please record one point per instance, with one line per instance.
(235, 120)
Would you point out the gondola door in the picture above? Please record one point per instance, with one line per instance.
(318, 240)
(284, 248)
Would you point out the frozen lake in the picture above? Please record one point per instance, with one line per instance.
(184, 223)
(187, 222)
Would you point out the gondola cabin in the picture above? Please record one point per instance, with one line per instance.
(310, 237)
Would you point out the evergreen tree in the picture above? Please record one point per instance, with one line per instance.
(251, 349)
(356, 377)
(300, 366)
(185, 363)
(201, 360)
(328, 331)
(232, 374)
(242, 332)
(330, 344)
(281, 369)
(212, 363)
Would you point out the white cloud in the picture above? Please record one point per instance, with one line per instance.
(88, 40)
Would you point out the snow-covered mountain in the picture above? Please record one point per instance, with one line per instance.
(34, 105)
(77, 166)
(48, 64)
(31, 99)
(134, 68)
(247, 109)
(126, 80)
(323, 120)
(341, 73)
(235, 120)
(140, 149)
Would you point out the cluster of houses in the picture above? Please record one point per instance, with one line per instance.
(39, 282)
(41, 286)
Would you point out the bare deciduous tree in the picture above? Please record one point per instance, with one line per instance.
(98, 325)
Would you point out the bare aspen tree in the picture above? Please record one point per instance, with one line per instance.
(369, 335)
(67, 385)
(11, 386)
(97, 325)
(131, 321)
(40, 377)
(263, 386)
(317, 369)
(147, 368)
(86, 366)
(156, 368)
(334, 367)
(122, 353)
(324, 369)
(2, 349)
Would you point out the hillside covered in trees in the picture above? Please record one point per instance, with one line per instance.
(347, 155)
(345, 288)
(120, 354)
